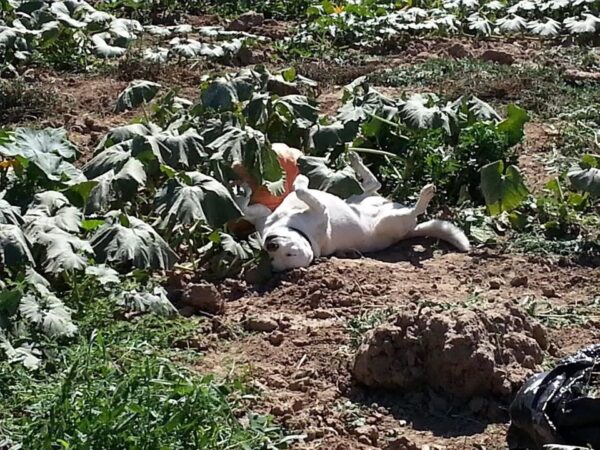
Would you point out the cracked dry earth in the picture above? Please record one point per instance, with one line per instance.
(295, 341)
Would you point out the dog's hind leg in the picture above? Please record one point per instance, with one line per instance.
(369, 183)
(425, 198)
(304, 194)
(393, 225)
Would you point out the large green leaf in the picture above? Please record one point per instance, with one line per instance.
(220, 95)
(104, 49)
(126, 133)
(137, 93)
(51, 208)
(113, 158)
(502, 190)
(126, 240)
(130, 178)
(342, 183)
(14, 248)
(514, 124)
(178, 151)
(192, 197)
(421, 111)
(48, 313)
(36, 144)
(249, 147)
(59, 251)
(51, 224)
(297, 109)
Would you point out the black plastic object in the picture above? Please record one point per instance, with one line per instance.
(554, 407)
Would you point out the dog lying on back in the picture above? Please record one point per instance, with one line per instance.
(309, 223)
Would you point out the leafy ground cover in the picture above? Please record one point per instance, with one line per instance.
(121, 121)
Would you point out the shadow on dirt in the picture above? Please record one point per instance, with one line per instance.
(427, 411)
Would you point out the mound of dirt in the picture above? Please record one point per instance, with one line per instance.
(461, 353)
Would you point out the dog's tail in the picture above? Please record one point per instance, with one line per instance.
(439, 229)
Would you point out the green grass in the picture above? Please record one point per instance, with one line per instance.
(526, 85)
(573, 251)
(561, 316)
(124, 385)
(360, 325)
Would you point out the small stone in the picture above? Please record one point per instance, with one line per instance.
(262, 324)
(205, 298)
(497, 56)
(549, 292)
(519, 281)
(276, 338)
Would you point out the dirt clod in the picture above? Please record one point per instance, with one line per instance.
(247, 21)
(276, 338)
(462, 353)
(458, 51)
(497, 56)
(204, 298)
(519, 281)
(260, 324)
(401, 443)
(368, 431)
(495, 283)
(549, 292)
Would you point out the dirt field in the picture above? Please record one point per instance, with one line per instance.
(302, 364)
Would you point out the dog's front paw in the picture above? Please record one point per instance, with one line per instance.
(301, 183)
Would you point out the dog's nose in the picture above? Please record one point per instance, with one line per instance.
(271, 246)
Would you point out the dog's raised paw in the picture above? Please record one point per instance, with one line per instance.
(301, 182)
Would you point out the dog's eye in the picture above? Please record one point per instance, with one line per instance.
(289, 255)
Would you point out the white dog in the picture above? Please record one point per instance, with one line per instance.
(311, 223)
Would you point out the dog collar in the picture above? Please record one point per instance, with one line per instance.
(305, 236)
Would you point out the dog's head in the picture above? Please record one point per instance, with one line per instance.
(288, 249)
